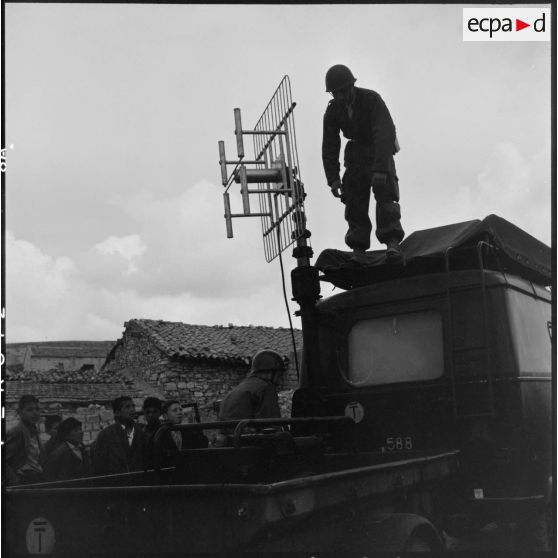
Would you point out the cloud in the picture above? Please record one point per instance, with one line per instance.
(39, 289)
(184, 249)
(128, 247)
(122, 224)
(513, 186)
(177, 266)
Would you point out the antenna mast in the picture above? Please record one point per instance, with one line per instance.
(275, 173)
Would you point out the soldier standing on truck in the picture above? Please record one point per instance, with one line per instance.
(365, 121)
(256, 396)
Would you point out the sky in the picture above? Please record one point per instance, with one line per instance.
(113, 200)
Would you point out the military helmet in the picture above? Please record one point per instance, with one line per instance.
(337, 77)
(267, 359)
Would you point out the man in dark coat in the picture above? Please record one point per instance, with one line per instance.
(51, 428)
(24, 449)
(256, 396)
(120, 447)
(365, 121)
(69, 460)
(152, 409)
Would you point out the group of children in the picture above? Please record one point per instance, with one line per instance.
(127, 445)
(121, 447)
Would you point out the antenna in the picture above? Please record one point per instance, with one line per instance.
(275, 171)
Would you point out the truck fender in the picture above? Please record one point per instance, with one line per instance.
(400, 532)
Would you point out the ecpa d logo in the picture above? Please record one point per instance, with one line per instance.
(506, 24)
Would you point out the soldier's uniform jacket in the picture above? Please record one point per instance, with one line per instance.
(254, 397)
(370, 130)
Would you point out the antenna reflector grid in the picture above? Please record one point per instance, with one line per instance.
(281, 205)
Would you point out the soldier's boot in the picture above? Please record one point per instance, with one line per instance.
(359, 256)
(394, 255)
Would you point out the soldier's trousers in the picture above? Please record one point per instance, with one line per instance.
(357, 183)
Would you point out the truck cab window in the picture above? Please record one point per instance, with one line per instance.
(398, 348)
(530, 319)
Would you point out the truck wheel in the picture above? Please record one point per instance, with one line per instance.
(417, 544)
(423, 540)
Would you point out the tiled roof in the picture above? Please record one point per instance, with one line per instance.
(63, 376)
(68, 392)
(226, 343)
(90, 350)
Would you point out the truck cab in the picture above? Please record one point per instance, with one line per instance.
(452, 351)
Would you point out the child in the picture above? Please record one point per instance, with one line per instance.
(69, 460)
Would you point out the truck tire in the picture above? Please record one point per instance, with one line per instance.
(416, 543)
(403, 533)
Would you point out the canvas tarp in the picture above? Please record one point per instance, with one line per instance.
(512, 251)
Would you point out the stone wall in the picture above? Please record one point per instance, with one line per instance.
(203, 381)
(139, 369)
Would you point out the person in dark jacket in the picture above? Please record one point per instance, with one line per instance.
(171, 440)
(120, 447)
(152, 409)
(165, 453)
(363, 118)
(51, 428)
(70, 459)
(256, 396)
(24, 449)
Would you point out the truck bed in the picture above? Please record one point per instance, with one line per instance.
(215, 500)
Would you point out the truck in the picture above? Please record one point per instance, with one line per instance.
(423, 411)
(432, 416)
(451, 351)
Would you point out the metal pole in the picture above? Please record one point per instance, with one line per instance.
(273, 133)
(306, 292)
(244, 190)
(486, 332)
(228, 219)
(238, 133)
(258, 176)
(223, 163)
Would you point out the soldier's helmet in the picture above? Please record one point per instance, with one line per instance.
(265, 360)
(337, 77)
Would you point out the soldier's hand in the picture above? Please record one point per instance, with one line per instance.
(336, 192)
(396, 148)
(336, 189)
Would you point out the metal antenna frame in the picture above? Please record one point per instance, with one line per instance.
(281, 203)
(276, 174)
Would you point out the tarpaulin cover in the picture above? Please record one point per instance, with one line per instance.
(512, 251)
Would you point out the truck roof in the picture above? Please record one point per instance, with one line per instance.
(428, 285)
(505, 248)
